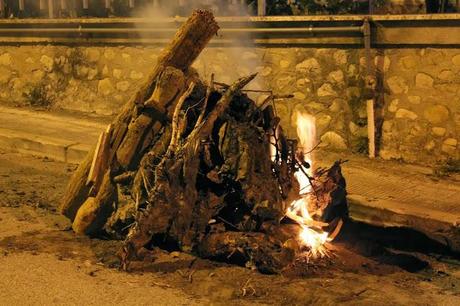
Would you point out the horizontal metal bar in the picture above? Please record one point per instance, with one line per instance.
(172, 30)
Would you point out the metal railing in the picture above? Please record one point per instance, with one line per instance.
(120, 8)
(130, 8)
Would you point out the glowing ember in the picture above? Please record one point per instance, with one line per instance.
(311, 234)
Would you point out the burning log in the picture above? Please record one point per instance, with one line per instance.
(203, 169)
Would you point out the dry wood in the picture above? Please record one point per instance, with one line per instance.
(188, 166)
(94, 212)
(77, 190)
(188, 43)
(100, 161)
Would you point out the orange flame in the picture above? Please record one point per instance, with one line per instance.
(311, 234)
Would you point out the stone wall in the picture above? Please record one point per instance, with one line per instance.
(422, 109)
(422, 114)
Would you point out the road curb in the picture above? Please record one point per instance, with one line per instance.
(53, 148)
(439, 226)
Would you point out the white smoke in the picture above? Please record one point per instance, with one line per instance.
(237, 57)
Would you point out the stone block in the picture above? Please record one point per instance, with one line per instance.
(105, 71)
(405, 114)
(336, 77)
(387, 126)
(393, 107)
(92, 73)
(123, 86)
(423, 80)
(117, 73)
(303, 83)
(136, 75)
(438, 131)
(284, 82)
(322, 122)
(340, 57)
(126, 57)
(93, 55)
(356, 130)
(109, 54)
(284, 64)
(446, 75)
(352, 70)
(409, 62)
(326, 90)
(82, 71)
(47, 62)
(105, 87)
(449, 146)
(456, 60)
(333, 141)
(309, 66)
(436, 114)
(336, 106)
(5, 59)
(397, 85)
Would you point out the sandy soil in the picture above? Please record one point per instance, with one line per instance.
(43, 262)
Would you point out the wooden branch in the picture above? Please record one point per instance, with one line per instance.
(205, 126)
(209, 89)
(175, 121)
(100, 161)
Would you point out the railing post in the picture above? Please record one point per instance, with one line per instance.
(2, 8)
(64, 5)
(21, 6)
(131, 4)
(85, 4)
(370, 80)
(261, 7)
(108, 4)
(73, 9)
(50, 9)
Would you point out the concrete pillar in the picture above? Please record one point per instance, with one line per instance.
(261, 7)
(42, 5)
(2, 8)
(131, 3)
(108, 4)
(85, 4)
(156, 3)
(64, 5)
(21, 5)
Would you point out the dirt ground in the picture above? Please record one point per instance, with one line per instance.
(42, 262)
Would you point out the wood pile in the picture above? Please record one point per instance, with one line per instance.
(187, 166)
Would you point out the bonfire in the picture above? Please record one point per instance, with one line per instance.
(197, 166)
